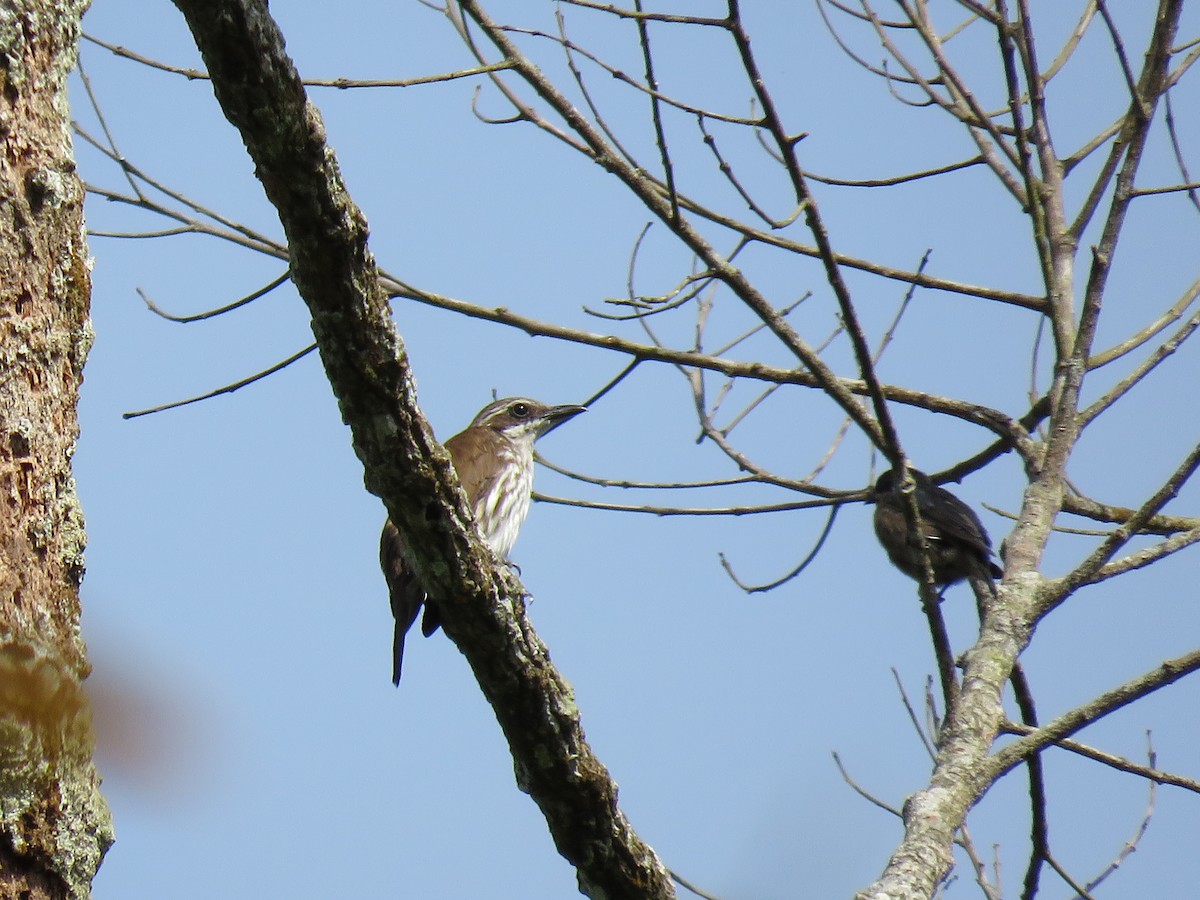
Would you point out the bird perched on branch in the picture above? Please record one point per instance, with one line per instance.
(493, 457)
(959, 547)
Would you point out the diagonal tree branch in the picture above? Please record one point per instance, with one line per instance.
(1167, 672)
(261, 94)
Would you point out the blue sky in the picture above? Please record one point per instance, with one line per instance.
(252, 742)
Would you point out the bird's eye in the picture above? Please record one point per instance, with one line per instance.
(519, 410)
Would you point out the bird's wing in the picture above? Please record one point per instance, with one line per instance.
(956, 521)
(484, 467)
(467, 449)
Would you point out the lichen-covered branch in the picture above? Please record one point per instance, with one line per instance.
(54, 824)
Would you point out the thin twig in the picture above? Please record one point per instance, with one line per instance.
(803, 564)
(227, 389)
(212, 313)
(1140, 832)
(1112, 760)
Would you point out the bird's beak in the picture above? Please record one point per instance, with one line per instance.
(556, 415)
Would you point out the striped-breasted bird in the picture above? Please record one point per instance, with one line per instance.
(493, 457)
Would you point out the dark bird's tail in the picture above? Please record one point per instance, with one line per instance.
(406, 595)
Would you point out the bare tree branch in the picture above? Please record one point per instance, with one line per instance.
(335, 274)
(1168, 672)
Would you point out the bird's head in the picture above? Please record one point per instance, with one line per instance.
(889, 481)
(520, 419)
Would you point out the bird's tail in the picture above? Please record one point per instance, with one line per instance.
(398, 652)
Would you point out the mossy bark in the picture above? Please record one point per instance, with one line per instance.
(54, 824)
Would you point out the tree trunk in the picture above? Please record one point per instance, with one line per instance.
(54, 825)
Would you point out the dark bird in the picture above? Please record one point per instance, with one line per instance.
(493, 457)
(959, 546)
